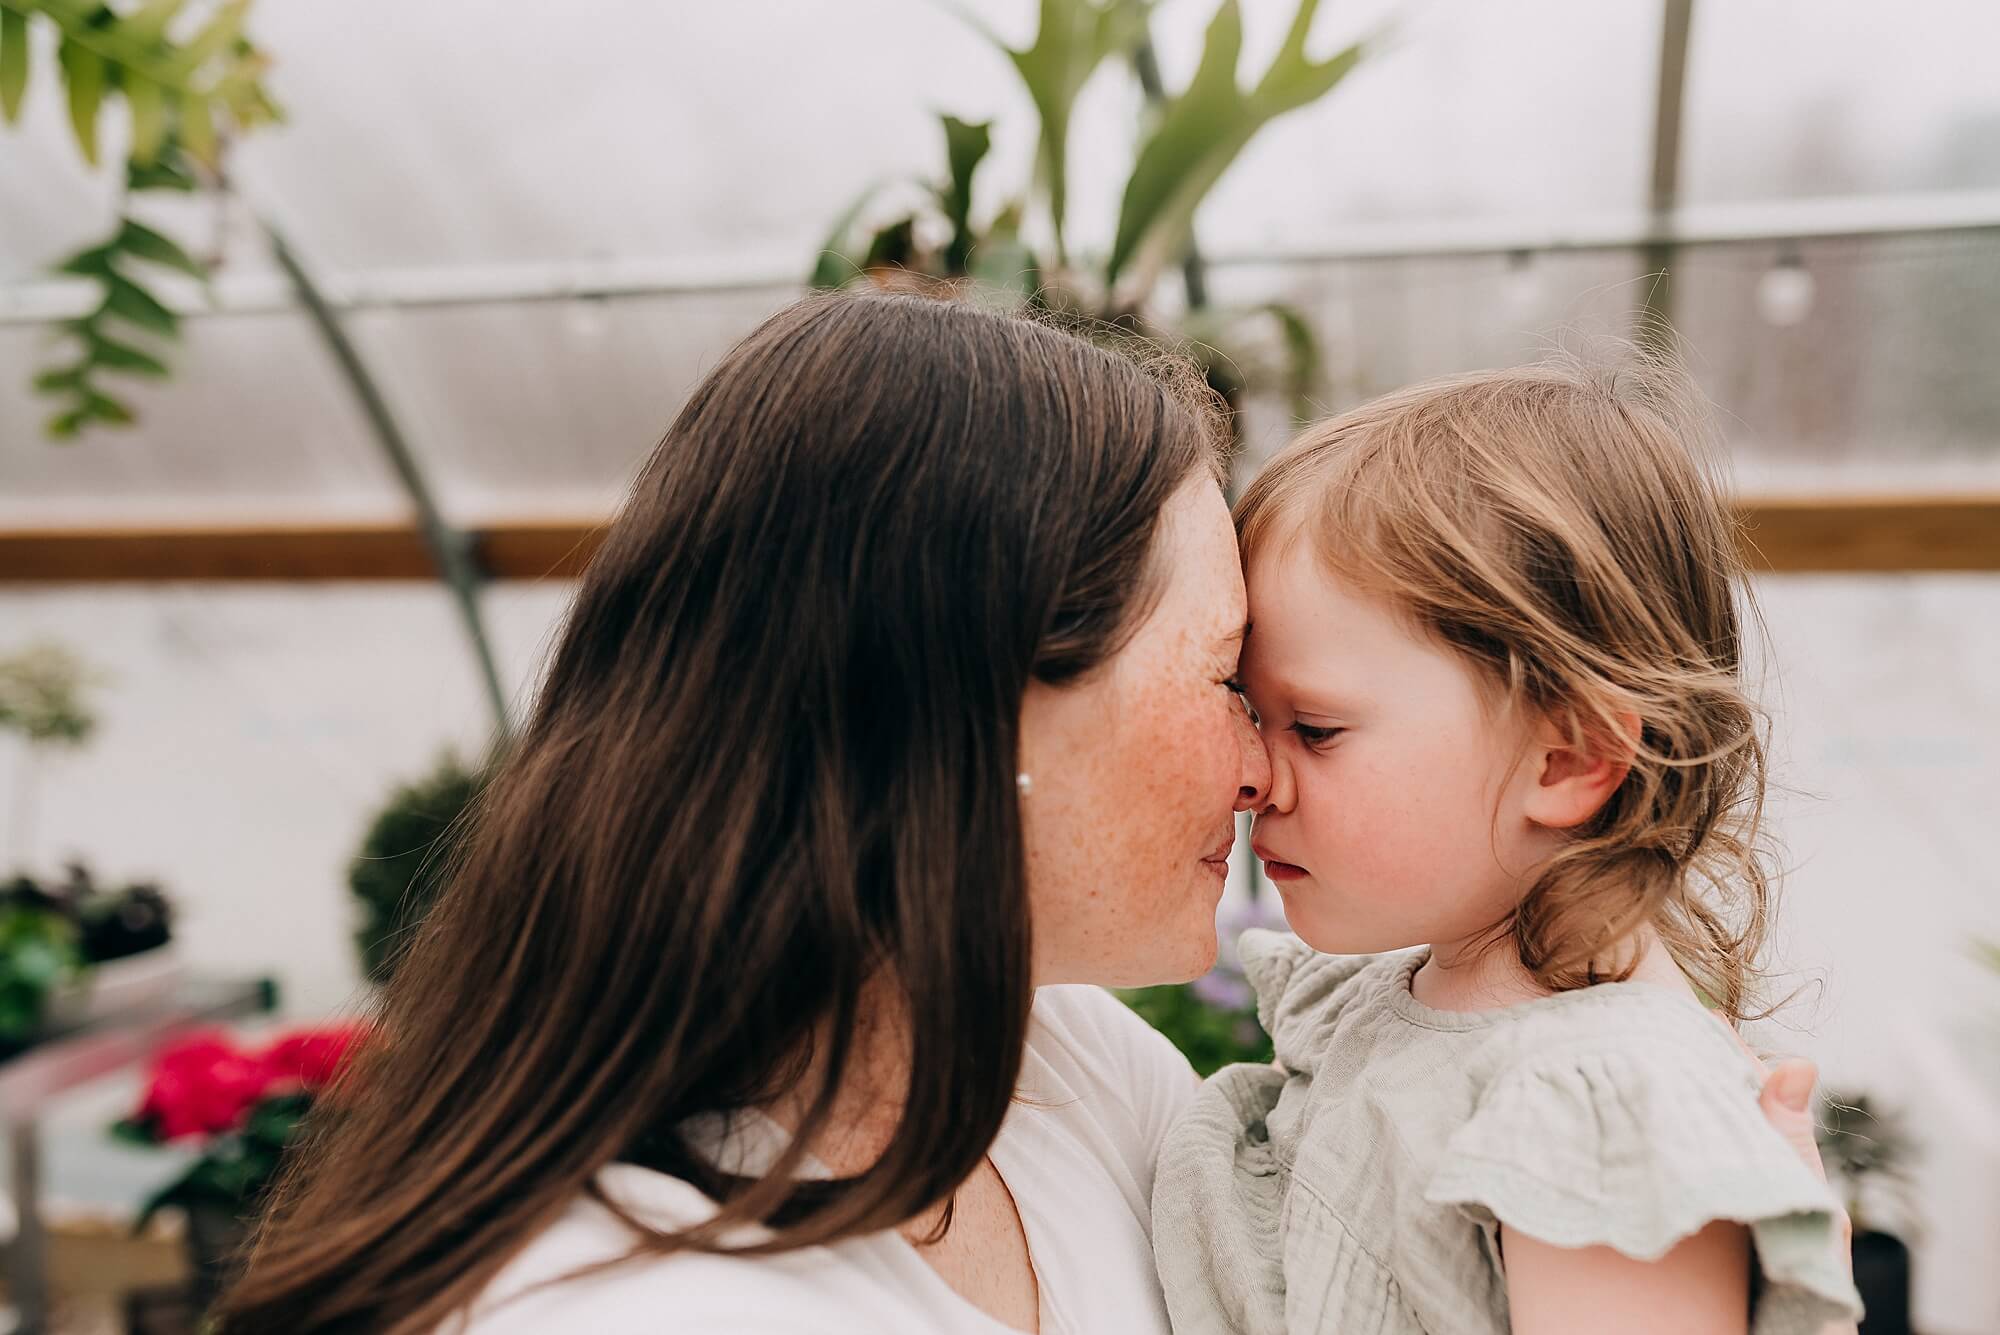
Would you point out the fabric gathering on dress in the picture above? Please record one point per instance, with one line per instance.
(1360, 1190)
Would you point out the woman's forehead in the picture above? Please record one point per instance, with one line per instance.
(1204, 571)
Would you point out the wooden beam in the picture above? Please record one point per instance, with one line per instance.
(262, 552)
(362, 551)
(1858, 534)
(1782, 534)
(544, 550)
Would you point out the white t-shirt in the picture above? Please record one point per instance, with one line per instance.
(1100, 1089)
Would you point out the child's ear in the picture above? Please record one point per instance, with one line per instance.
(1577, 769)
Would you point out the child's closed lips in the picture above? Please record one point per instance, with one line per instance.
(1275, 867)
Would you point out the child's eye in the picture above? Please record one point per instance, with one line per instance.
(1316, 737)
(1243, 695)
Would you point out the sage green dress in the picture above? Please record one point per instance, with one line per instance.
(1363, 1192)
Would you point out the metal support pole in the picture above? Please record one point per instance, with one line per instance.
(450, 547)
(1664, 195)
(28, 1254)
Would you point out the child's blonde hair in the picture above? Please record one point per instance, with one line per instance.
(1560, 526)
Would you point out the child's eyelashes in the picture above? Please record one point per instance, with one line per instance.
(1316, 738)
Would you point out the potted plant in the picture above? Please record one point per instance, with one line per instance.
(1867, 1153)
(38, 955)
(1020, 254)
(404, 858)
(42, 699)
(112, 940)
(243, 1108)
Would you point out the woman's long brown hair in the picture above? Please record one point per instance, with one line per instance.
(773, 757)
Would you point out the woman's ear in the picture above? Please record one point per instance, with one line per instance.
(1577, 768)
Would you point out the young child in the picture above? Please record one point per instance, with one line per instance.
(1495, 651)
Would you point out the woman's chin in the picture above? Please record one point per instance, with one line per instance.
(1200, 960)
(1174, 962)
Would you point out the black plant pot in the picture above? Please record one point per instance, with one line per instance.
(1882, 1273)
(214, 1234)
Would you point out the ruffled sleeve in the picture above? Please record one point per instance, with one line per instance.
(1636, 1150)
(1300, 992)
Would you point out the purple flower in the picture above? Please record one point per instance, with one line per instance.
(1222, 990)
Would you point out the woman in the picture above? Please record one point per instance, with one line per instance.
(898, 699)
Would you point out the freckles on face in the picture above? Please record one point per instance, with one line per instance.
(1388, 767)
(1142, 763)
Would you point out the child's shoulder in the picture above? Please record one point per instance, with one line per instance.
(1632, 1025)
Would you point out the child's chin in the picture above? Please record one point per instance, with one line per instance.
(1350, 942)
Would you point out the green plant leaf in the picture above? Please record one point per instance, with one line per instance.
(62, 380)
(222, 31)
(1294, 80)
(1193, 125)
(1005, 263)
(131, 1131)
(1211, 1037)
(1007, 222)
(1201, 133)
(138, 239)
(209, 1180)
(894, 246)
(401, 866)
(13, 62)
(103, 408)
(833, 268)
(198, 128)
(163, 173)
(85, 71)
(274, 1122)
(965, 145)
(37, 950)
(92, 263)
(1072, 39)
(112, 355)
(36, 962)
(1301, 356)
(148, 23)
(149, 116)
(135, 305)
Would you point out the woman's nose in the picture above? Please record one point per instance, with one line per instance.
(1254, 786)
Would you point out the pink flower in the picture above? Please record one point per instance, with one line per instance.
(311, 1056)
(204, 1084)
(201, 1085)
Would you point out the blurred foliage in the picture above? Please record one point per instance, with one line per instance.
(190, 79)
(1213, 1020)
(38, 951)
(1867, 1150)
(236, 1169)
(1210, 1031)
(42, 695)
(1193, 138)
(405, 857)
(50, 933)
(111, 923)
